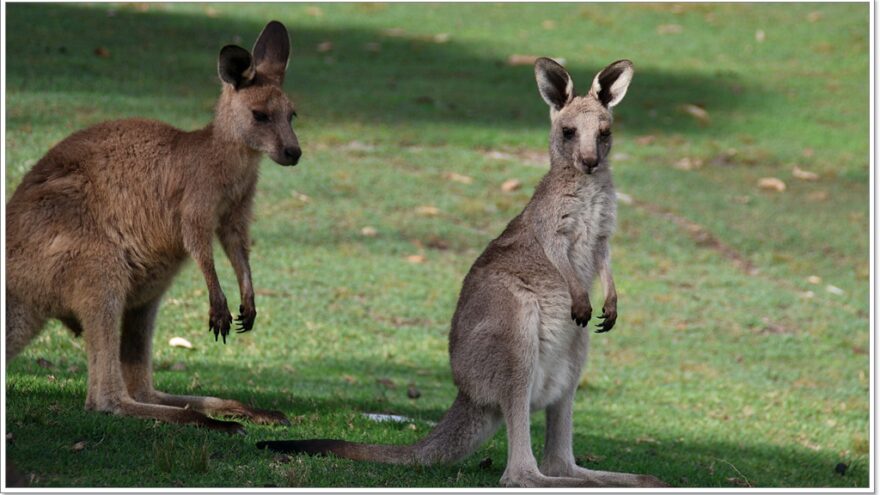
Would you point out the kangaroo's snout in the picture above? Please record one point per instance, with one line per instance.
(292, 154)
(589, 164)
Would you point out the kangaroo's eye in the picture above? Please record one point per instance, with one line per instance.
(260, 116)
(568, 132)
(605, 133)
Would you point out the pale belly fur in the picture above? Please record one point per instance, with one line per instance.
(562, 351)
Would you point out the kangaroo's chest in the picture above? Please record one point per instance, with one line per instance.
(592, 211)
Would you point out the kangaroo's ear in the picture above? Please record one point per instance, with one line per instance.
(610, 85)
(272, 50)
(235, 66)
(554, 83)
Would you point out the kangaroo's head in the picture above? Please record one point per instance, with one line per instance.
(580, 134)
(253, 108)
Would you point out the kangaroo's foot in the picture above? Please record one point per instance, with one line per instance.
(534, 479)
(561, 468)
(221, 407)
(167, 414)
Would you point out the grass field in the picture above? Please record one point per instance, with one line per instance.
(728, 366)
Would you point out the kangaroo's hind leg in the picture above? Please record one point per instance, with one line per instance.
(515, 400)
(559, 458)
(98, 306)
(137, 368)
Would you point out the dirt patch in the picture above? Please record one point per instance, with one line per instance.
(701, 236)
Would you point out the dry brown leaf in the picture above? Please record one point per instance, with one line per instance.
(548, 24)
(760, 36)
(464, 179)
(369, 231)
(314, 11)
(78, 446)
(818, 196)
(517, 59)
(663, 29)
(511, 185)
(801, 174)
(416, 258)
(428, 211)
(696, 112)
(102, 52)
(814, 279)
(441, 37)
(386, 382)
(646, 139)
(688, 163)
(211, 12)
(325, 46)
(814, 16)
(771, 184)
(438, 243)
(349, 379)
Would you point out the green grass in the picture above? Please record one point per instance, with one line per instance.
(713, 377)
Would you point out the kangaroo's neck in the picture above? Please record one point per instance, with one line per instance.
(564, 185)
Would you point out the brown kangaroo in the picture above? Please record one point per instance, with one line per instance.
(516, 343)
(99, 227)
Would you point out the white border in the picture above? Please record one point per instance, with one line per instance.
(872, 281)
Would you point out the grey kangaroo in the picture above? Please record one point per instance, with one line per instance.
(516, 343)
(99, 227)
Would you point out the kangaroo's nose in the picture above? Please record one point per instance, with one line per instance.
(589, 164)
(292, 153)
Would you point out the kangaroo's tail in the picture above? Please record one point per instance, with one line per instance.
(463, 428)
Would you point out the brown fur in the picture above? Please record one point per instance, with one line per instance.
(99, 227)
(517, 344)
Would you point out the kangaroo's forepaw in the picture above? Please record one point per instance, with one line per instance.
(245, 320)
(609, 315)
(581, 312)
(219, 321)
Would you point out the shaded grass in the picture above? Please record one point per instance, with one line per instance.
(712, 377)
